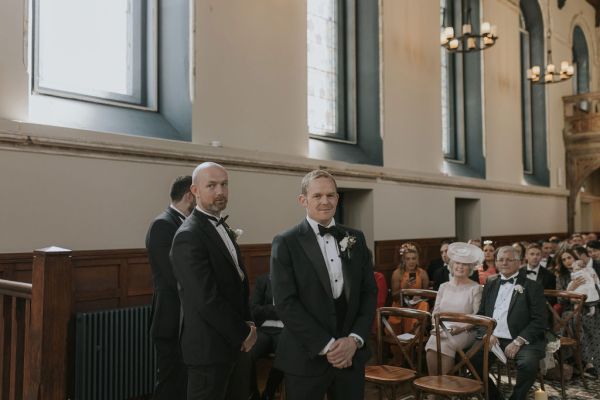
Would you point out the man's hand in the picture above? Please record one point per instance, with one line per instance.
(511, 350)
(493, 340)
(341, 352)
(250, 340)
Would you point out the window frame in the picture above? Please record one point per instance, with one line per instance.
(143, 32)
(346, 76)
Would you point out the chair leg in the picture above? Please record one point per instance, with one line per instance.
(580, 366)
(541, 379)
(562, 374)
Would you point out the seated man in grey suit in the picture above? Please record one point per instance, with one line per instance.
(519, 308)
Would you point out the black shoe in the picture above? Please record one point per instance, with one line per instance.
(591, 373)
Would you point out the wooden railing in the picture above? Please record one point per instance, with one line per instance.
(35, 331)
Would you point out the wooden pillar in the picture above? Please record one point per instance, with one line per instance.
(51, 309)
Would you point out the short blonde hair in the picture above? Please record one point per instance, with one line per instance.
(311, 176)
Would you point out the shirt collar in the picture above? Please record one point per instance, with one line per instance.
(207, 213)
(536, 268)
(509, 277)
(315, 225)
(179, 213)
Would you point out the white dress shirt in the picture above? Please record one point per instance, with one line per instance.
(536, 269)
(226, 240)
(330, 251)
(501, 308)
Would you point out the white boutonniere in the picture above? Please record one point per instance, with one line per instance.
(234, 234)
(519, 289)
(346, 245)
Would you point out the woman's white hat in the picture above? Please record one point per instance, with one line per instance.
(465, 253)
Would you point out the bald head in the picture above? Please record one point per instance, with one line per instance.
(210, 187)
(204, 166)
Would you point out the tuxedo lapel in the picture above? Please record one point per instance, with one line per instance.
(346, 268)
(520, 281)
(214, 236)
(309, 244)
(175, 217)
(494, 289)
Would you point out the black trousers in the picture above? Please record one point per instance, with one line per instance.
(528, 363)
(228, 381)
(338, 384)
(171, 374)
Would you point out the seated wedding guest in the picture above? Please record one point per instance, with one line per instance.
(535, 271)
(488, 267)
(590, 347)
(546, 248)
(590, 237)
(589, 287)
(520, 250)
(588, 262)
(519, 308)
(408, 275)
(475, 242)
(593, 248)
(460, 295)
(268, 332)
(382, 294)
(442, 275)
(576, 240)
(438, 263)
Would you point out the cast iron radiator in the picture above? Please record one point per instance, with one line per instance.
(114, 357)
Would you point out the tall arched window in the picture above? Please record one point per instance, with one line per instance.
(462, 121)
(533, 97)
(581, 61)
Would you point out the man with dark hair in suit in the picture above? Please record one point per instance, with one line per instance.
(171, 376)
(438, 263)
(325, 294)
(268, 330)
(217, 331)
(534, 270)
(519, 308)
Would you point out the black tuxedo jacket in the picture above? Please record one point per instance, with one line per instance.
(544, 277)
(261, 304)
(527, 311)
(304, 299)
(214, 298)
(165, 300)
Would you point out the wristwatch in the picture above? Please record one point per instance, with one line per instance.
(519, 342)
(357, 340)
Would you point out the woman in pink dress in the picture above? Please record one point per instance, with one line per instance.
(488, 268)
(460, 295)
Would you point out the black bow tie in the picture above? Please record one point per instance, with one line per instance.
(332, 230)
(530, 271)
(503, 281)
(219, 221)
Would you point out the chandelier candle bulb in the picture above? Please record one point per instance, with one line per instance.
(449, 31)
(529, 74)
(548, 78)
(535, 70)
(488, 41)
(564, 66)
(570, 70)
(453, 44)
(550, 68)
(443, 38)
(466, 28)
(471, 43)
(486, 28)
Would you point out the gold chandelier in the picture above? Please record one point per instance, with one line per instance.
(468, 40)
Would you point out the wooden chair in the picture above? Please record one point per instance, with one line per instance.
(568, 328)
(387, 378)
(451, 384)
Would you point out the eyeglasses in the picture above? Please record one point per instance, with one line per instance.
(506, 260)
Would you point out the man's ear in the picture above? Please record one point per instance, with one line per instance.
(302, 200)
